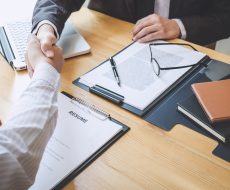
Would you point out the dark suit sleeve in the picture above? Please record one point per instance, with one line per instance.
(211, 25)
(56, 11)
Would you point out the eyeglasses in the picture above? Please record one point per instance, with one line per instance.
(155, 63)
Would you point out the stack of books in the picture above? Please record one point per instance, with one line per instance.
(209, 107)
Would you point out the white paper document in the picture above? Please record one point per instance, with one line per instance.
(79, 134)
(139, 84)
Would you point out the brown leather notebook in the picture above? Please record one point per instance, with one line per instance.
(214, 98)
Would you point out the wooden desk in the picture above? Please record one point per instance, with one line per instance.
(146, 157)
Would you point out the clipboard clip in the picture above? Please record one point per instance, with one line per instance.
(90, 108)
(108, 94)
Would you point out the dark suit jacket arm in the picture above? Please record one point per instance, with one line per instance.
(56, 11)
(210, 26)
(206, 30)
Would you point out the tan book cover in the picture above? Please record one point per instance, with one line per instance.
(214, 98)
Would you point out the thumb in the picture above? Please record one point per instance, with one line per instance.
(47, 43)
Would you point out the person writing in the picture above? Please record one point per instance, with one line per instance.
(199, 21)
(23, 137)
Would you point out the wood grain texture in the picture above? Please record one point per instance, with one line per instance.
(146, 157)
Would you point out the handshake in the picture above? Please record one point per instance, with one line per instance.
(41, 48)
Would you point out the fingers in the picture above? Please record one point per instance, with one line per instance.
(47, 43)
(33, 45)
(30, 70)
(145, 31)
(58, 60)
(58, 50)
(144, 22)
(33, 40)
(47, 39)
(35, 55)
(29, 67)
(154, 27)
(150, 37)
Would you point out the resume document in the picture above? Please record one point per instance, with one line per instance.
(79, 133)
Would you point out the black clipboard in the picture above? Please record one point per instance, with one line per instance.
(118, 99)
(165, 106)
(75, 171)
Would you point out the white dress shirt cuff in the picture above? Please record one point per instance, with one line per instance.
(35, 31)
(48, 73)
(182, 28)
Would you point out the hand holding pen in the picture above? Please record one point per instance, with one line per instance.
(114, 68)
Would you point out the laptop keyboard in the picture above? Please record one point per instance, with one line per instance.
(17, 33)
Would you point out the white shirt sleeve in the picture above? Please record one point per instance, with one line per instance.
(182, 28)
(24, 136)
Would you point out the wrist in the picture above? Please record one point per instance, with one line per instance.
(46, 28)
(56, 66)
(47, 73)
(176, 29)
(180, 24)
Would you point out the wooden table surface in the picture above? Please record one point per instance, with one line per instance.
(147, 157)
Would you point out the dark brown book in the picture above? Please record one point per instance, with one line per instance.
(214, 98)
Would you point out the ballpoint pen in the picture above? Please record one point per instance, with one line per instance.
(114, 68)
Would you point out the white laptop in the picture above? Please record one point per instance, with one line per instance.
(71, 41)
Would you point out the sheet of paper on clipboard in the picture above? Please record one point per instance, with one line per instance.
(139, 84)
(82, 133)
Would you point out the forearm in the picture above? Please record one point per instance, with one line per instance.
(24, 136)
(55, 11)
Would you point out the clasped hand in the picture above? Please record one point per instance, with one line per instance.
(155, 27)
(35, 55)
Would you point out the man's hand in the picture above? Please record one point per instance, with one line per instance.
(47, 39)
(154, 27)
(35, 56)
